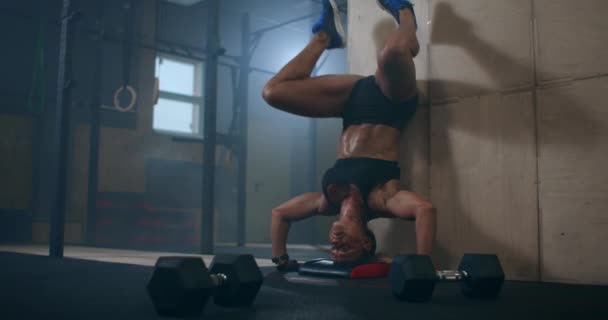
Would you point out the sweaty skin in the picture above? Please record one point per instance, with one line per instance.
(347, 235)
(370, 141)
(365, 141)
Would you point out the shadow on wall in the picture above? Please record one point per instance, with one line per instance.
(492, 60)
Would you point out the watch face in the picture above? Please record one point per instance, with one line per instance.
(280, 259)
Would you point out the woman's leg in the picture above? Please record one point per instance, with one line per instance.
(396, 73)
(294, 90)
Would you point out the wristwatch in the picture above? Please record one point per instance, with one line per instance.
(280, 260)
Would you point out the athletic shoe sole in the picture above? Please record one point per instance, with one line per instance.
(338, 23)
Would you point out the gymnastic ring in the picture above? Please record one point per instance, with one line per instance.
(156, 88)
(133, 98)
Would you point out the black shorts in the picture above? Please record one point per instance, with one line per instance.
(368, 104)
(365, 173)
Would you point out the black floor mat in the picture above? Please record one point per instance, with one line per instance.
(36, 287)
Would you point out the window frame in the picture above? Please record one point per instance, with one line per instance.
(198, 102)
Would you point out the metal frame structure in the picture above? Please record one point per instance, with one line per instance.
(210, 132)
(61, 139)
(212, 55)
(94, 141)
(243, 112)
(249, 42)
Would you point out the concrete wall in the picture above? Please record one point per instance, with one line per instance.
(483, 164)
(571, 121)
(516, 122)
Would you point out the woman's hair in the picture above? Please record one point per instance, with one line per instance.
(369, 256)
(372, 239)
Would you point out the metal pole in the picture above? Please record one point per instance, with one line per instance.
(210, 129)
(312, 173)
(243, 98)
(94, 132)
(37, 134)
(163, 46)
(61, 138)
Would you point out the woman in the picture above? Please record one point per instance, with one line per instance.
(364, 182)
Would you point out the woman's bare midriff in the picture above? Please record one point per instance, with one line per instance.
(370, 141)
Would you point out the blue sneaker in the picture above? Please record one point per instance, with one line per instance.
(393, 7)
(331, 24)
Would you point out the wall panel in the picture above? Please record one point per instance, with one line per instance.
(573, 125)
(483, 171)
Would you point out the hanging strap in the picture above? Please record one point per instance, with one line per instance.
(126, 47)
(127, 55)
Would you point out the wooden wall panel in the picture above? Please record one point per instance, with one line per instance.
(16, 171)
(73, 233)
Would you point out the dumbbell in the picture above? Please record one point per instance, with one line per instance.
(181, 286)
(413, 277)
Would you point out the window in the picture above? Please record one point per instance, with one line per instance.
(178, 110)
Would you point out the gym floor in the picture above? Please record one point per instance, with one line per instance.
(110, 284)
(148, 258)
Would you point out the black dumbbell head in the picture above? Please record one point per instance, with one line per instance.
(180, 286)
(244, 279)
(413, 277)
(484, 276)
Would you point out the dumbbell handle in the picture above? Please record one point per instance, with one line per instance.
(218, 279)
(451, 275)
